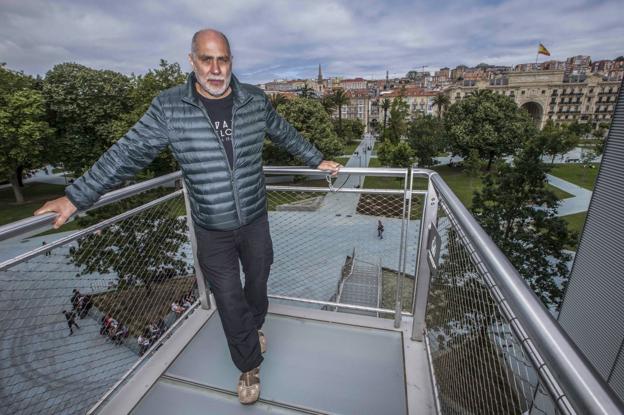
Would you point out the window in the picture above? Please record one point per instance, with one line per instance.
(591, 90)
(522, 93)
(543, 91)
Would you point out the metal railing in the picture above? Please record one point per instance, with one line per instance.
(493, 347)
(124, 281)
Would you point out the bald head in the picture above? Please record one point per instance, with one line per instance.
(209, 34)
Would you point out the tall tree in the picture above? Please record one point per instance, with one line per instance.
(314, 124)
(84, 105)
(397, 127)
(385, 106)
(490, 123)
(305, 91)
(23, 130)
(277, 100)
(340, 99)
(143, 89)
(517, 210)
(555, 139)
(426, 137)
(442, 101)
(395, 154)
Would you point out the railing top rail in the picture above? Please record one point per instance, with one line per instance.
(582, 384)
(306, 171)
(43, 222)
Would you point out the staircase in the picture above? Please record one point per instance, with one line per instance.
(362, 287)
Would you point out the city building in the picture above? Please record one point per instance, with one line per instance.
(550, 95)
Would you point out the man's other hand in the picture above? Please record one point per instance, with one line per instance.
(63, 206)
(331, 166)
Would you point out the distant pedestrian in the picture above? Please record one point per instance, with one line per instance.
(380, 229)
(70, 316)
(47, 253)
(75, 298)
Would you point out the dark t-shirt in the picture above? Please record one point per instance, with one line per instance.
(220, 113)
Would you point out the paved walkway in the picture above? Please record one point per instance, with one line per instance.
(576, 204)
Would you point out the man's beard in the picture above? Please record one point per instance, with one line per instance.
(214, 91)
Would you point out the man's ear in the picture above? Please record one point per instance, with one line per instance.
(190, 59)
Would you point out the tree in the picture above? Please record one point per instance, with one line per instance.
(555, 139)
(385, 106)
(305, 91)
(84, 104)
(397, 127)
(144, 88)
(328, 103)
(277, 100)
(310, 119)
(352, 130)
(340, 99)
(442, 101)
(395, 155)
(490, 123)
(472, 165)
(144, 249)
(426, 137)
(519, 213)
(23, 130)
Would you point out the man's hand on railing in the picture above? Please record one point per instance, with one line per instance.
(332, 166)
(63, 206)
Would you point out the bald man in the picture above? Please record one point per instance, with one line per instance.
(215, 127)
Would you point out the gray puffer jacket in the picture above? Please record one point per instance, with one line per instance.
(221, 198)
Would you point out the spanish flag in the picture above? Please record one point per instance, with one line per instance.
(542, 49)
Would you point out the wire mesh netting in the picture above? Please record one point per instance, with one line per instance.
(340, 246)
(480, 365)
(75, 318)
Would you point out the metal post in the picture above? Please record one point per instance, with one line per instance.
(407, 204)
(204, 295)
(423, 271)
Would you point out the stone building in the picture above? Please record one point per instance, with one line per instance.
(549, 95)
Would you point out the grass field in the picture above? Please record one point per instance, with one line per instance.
(575, 223)
(350, 148)
(35, 194)
(577, 174)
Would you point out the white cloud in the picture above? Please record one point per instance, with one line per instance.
(289, 38)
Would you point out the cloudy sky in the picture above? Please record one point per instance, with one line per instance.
(288, 39)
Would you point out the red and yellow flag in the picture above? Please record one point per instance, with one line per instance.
(542, 49)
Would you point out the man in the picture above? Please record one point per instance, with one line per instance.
(215, 127)
(70, 317)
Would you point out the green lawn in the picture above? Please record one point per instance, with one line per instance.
(577, 174)
(35, 194)
(575, 224)
(350, 148)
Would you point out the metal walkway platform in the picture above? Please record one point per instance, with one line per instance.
(317, 362)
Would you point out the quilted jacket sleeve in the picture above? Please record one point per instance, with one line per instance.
(133, 152)
(285, 135)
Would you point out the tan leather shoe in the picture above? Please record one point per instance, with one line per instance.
(249, 386)
(263, 342)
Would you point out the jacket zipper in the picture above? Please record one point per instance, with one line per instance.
(202, 108)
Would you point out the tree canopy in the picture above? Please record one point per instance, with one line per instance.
(491, 124)
(312, 121)
(518, 211)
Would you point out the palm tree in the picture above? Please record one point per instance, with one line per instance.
(277, 99)
(340, 99)
(328, 103)
(441, 101)
(385, 106)
(480, 93)
(305, 91)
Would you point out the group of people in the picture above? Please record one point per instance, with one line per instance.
(81, 303)
(151, 333)
(183, 304)
(114, 330)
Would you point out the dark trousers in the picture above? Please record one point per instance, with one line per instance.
(242, 309)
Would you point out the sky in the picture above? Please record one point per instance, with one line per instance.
(281, 39)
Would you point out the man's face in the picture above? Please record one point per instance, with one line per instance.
(212, 63)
